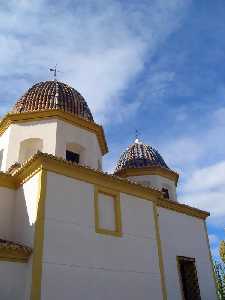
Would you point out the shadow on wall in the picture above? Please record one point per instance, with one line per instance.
(1, 158)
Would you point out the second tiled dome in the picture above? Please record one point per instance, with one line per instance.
(139, 155)
(53, 95)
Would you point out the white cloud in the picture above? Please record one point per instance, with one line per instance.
(182, 151)
(198, 144)
(200, 159)
(212, 201)
(214, 245)
(99, 46)
(208, 178)
(213, 239)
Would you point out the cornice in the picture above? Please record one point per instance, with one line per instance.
(7, 181)
(56, 114)
(153, 170)
(60, 166)
(14, 252)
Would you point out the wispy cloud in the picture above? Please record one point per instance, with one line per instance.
(99, 46)
(214, 244)
(200, 159)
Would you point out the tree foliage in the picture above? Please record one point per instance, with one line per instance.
(222, 251)
(219, 268)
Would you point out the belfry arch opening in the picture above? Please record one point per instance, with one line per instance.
(75, 153)
(29, 147)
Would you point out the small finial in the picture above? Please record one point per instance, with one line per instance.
(55, 71)
(136, 136)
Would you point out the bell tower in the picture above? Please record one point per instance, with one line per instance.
(54, 118)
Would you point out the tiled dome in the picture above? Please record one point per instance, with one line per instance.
(53, 95)
(139, 155)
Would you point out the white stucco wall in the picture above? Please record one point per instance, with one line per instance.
(69, 134)
(78, 263)
(45, 130)
(24, 216)
(12, 280)
(18, 211)
(55, 135)
(7, 208)
(106, 210)
(182, 235)
(158, 182)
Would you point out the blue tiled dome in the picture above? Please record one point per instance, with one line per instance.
(139, 155)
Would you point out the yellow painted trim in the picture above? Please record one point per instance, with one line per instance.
(153, 170)
(117, 212)
(26, 175)
(117, 184)
(14, 255)
(56, 114)
(39, 239)
(160, 254)
(181, 208)
(16, 259)
(210, 258)
(7, 181)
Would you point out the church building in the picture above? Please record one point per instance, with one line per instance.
(68, 230)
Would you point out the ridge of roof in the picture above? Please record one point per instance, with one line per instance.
(8, 244)
(43, 155)
(58, 165)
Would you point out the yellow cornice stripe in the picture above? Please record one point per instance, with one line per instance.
(7, 181)
(60, 166)
(58, 114)
(14, 253)
(182, 208)
(153, 170)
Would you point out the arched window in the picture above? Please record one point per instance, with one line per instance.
(29, 147)
(75, 153)
(165, 192)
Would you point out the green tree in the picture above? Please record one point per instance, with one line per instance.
(219, 268)
(220, 279)
(222, 251)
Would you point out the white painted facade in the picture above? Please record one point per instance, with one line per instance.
(12, 280)
(77, 261)
(18, 211)
(187, 237)
(157, 182)
(22, 140)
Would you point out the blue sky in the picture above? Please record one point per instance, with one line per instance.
(155, 66)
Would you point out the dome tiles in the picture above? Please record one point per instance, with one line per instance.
(139, 155)
(53, 95)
